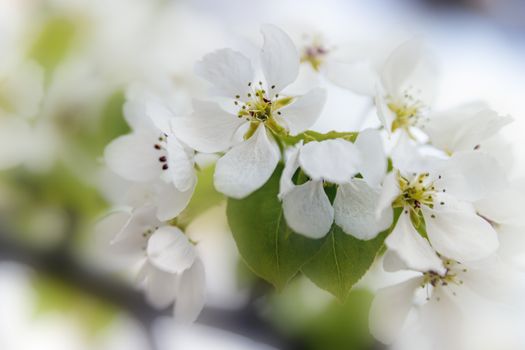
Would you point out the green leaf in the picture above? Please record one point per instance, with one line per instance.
(342, 261)
(267, 245)
(310, 135)
(54, 42)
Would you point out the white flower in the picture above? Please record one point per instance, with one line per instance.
(440, 194)
(463, 128)
(153, 157)
(407, 87)
(440, 300)
(354, 65)
(260, 109)
(171, 270)
(306, 206)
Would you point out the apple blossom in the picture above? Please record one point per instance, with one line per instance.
(307, 208)
(262, 111)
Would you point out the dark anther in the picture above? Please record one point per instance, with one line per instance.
(273, 86)
(476, 147)
(165, 167)
(237, 96)
(249, 84)
(279, 112)
(162, 159)
(156, 146)
(442, 203)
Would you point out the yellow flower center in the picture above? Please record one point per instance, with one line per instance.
(408, 111)
(261, 107)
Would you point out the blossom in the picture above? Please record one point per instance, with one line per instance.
(262, 111)
(354, 66)
(463, 128)
(438, 194)
(170, 270)
(161, 166)
(439, 300)
(306, 206)
(406, 87)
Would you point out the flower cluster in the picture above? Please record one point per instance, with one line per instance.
(429, 180)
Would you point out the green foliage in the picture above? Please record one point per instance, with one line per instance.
(310, 135)
(342, 326)
(55, 296)
(267, 245)
(275, 253)
(321, 322)
(342, 261)
(112, 122)
(53, 43)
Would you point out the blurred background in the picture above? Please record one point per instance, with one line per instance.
(60, 288)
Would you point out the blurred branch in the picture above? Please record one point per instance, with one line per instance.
(60, 264)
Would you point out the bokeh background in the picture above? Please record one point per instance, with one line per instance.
(60, 288)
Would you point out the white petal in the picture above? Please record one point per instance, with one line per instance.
(160, 287)
(169, 201)
(191, 293)
(209, 129)
(355, 210)
(471, 176)
(134, 157)
(392, 262)
(503, 207)
(228, 71)
(181, 168)
(373, 158)
(359, 77)
(464, 127)
(384, 114)
(400, 65)
(170, 250)
(132, 236)
(389, 193)
(308, 210)
(160, 115)
(411, 248)
(331, 160)
(459, 234)
(247, 166)
(292, 164)
(302, 113)
(279, 58)
(390, 309)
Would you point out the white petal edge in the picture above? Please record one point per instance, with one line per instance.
(191, 294)
(209, 129)
(390, 309)
(247, 166)
(335, 161)
(134, 157)
(373, 164)
(279, 58)
(302, 113)
(460, 235)
(355, 210)
(170, 250)
(227, 70)
(308, 210)
(411, 248)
